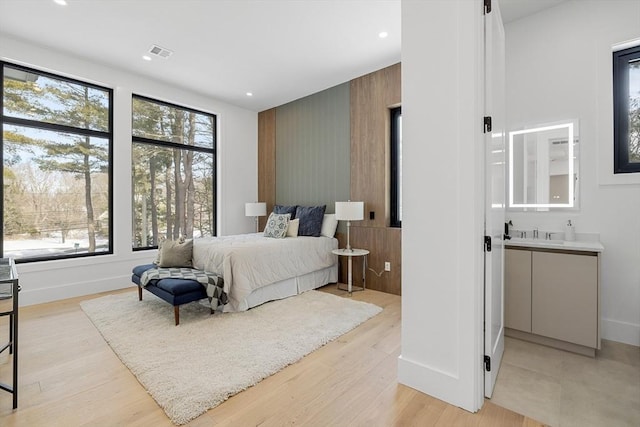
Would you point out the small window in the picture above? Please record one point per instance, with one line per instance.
(173, 172)
(396, 167)
(56, 144)
(626, 110)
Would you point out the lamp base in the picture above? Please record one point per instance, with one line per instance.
(348, 248)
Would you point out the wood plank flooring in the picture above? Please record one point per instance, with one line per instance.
(70, 377)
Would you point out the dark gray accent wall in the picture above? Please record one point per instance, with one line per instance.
(313, 149)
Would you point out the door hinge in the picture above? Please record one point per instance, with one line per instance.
(487, 243)
(487, 363)
(487, 6)
(487, 124)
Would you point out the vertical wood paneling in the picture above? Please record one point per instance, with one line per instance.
(384, 244)
(267, 160)
(312, 149)
(372, 96)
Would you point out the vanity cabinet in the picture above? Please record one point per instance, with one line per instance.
(517, 290)
(551, 297)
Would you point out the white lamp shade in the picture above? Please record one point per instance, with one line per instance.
(349, 211)
(255, 209)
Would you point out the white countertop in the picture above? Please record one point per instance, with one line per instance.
(577, 245)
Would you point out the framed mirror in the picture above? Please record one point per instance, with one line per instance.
(543, 166)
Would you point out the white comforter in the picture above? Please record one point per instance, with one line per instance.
(251, 261)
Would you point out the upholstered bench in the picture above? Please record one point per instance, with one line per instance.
(174, 291)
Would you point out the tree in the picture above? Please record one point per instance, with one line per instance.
(169, 176)
(70, 149)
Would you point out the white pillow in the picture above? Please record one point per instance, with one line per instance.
(292, 231)
(329, 225)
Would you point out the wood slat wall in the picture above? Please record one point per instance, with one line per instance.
(267, 160)
(372, 96)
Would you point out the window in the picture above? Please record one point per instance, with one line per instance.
(396, 167)
(626, 110)
(56, 166)
(173, 172)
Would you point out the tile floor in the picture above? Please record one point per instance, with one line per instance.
(564, 389)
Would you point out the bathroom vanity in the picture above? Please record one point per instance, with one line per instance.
(552, 290)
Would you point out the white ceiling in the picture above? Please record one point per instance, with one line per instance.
(513, 10)
(280, 50)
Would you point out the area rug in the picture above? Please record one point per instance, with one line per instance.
(191, 368)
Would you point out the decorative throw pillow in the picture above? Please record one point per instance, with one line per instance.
(277, 225)
(310, 220)
(176, 254)
(329, 225)
(282, 209)
(292, 231)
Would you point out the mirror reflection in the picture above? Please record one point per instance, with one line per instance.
(543, 166)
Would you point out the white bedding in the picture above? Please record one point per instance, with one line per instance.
(251, 261)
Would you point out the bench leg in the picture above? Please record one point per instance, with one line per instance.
(176, 314)
(139, 293)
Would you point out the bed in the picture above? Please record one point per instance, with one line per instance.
(257, 269)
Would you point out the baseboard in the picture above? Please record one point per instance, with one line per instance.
(441, 385)
(614, 330)
(71, 290)
(550, 342)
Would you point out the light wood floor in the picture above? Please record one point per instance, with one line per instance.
(70, 377)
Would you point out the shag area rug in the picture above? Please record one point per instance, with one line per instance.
(197, 365)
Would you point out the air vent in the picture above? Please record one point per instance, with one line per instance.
(160, 51)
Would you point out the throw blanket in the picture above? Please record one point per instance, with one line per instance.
(213, 283)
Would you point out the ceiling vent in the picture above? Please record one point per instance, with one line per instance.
(160, 51)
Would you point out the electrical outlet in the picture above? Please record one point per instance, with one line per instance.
(387, 266)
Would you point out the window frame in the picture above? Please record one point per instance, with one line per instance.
(395, 219)
(169, 144)
(621, 60)
(55, 127)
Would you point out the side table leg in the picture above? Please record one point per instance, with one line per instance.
(350, 276)
(365, 262)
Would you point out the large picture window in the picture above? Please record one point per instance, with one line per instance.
(626, 110)
(396, 167)
(173, 172)
(56, 166)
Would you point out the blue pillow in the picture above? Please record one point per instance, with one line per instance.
(282, 209)
(310, 220)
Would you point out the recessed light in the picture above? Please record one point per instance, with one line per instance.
(60, 2)
(146, 57)
(383, 34)
(249, 93)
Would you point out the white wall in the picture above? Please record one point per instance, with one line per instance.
(237, 173)
(559, 67)
(442, 224)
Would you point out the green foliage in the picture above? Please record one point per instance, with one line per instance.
(173, 187)
(42, 201)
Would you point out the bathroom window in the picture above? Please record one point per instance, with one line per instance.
(396, 167)
(626, 110)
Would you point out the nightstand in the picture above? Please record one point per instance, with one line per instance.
(350, 254)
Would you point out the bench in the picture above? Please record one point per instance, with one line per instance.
(174, 291)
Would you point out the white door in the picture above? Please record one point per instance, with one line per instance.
(495, 196)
